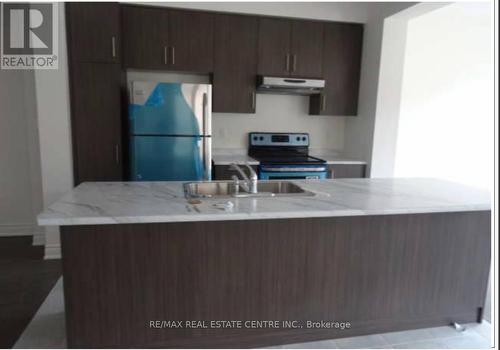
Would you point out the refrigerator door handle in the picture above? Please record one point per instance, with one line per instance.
(207, 156)
(206, 142)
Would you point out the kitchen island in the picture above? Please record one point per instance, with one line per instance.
(141, 263)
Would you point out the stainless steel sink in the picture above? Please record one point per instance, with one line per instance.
(280, 187)
(209, 189)
(228, 189)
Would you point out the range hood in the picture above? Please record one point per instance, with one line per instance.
(289, 86)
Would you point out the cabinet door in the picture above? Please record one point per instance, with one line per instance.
(223, 172)
(94, 31)
(190, 41)
(145, 37)
(96, 122)
(341, 171)
(235, 64)
(274, 47)
(341, 70)
(306, 49)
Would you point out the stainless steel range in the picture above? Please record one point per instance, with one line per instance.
(285, 156)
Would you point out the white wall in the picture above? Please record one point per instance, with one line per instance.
(446, 117)
(390, 87)
(278, 113)
(358, 134)
(358, 12)
(20, 190)
(52, 93)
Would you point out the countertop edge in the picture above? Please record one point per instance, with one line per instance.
(261, 216)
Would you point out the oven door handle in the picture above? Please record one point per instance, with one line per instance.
(292, 169)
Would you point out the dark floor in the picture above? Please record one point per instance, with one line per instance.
(25, 280)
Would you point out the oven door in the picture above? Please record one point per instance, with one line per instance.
(300, 175)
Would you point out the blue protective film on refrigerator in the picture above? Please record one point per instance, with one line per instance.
(162, 158)
(167, 109)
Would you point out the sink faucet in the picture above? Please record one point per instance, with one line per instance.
(250, 185)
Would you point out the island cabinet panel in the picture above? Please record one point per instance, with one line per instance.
(235, 64)
(145, 37)
(96, 122)
(341, 70)
(379, 273)
(94, 31)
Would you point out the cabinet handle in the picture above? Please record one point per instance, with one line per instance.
(173, 55)
(252, 96)
(294, 64)
(113, 47)
(165, 55)
(322, 102)
(287, 62)
(117, 154)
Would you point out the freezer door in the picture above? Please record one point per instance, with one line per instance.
(165, 158)
(170, 109)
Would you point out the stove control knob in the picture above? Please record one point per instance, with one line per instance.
(298, 138)
(255, 138)
(261, 138)
(304, 138)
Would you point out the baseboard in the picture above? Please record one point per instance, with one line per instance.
(9, 230)
(52, 251)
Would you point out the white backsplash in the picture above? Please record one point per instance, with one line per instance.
(278, 113)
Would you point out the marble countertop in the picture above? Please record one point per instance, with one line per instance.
(226, 159)
(148, 202)
(239, 156)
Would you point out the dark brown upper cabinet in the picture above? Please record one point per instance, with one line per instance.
(191, 41)
(306, 49)
(290, 48)
(96, 122)
(145, 37)
(157, 38)
(274, 47)
(94, 31)
(235, 64)
(341, 70)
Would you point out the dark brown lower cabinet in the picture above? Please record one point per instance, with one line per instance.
(96, 121)
(235, 64)
(379, 273)
(337, 171)
(222, 172)
(340, 171)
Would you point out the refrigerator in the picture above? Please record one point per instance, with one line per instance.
(170, 131)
